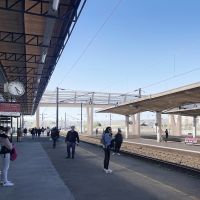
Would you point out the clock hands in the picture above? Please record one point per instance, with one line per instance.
(16, 88)
(18, 91)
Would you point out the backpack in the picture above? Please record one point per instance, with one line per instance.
(102, 141)
(13, 154)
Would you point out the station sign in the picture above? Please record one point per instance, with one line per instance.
(10, 109)
(11, 114)
(190, 140)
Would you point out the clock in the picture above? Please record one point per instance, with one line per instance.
(16, 88)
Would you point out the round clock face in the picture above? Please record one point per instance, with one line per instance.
(16, 88)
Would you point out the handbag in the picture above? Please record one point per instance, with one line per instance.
(13, 154)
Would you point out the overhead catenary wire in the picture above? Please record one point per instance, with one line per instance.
(91, 41)
(95, 36)
(167, 79)
(172, 77)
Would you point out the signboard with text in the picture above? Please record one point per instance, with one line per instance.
(190, 140)
(10, 109)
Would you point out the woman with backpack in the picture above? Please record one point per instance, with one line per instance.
(6, 148)
(107, 141)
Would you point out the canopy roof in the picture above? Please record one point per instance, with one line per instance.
(186, 110)
(33, 35)
(160, 102)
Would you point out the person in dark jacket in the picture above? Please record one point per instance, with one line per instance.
(54, 136)
(25, 131)
(166, 135)
(71, 138)
(33, 132)
(118, 141)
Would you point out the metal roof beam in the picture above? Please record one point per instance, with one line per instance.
(27, 39)
(12, 75)
(39, 8)
(12, 68)
(3, 78)
(28, 58)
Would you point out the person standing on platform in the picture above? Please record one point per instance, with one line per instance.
(106, 141)
(42, 130)
(54, 136)
(166, 135)
(39, 130)
(118, 141)
(25, 131)
(6, 147)
(19, 134)
(33, 132)
(71, 138)
(48, 131)
(97, 131)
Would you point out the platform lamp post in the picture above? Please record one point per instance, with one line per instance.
(57, 105)
(57, 96)
(81, 117)
(65, 122)
(11, 125)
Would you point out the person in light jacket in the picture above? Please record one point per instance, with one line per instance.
(6, 147)
(107, 142)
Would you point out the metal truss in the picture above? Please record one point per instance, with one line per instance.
(20, 70)
(77, 97)
(39, 8)
(27, 39)
(36, 77)
(18, 57)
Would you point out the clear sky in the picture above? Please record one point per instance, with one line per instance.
(123, 45)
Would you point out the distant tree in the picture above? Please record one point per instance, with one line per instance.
(98, 124)
(143, 124)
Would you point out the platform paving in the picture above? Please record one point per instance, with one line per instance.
(41, 172)
(34, 176)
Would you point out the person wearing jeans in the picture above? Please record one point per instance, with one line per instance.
(6, 147)
(71, 139)
(71, 145)
(5, 167)
(107, 139)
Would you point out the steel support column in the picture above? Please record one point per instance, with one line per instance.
(91, 118)
(57, 106)
(38, 117)
(88, 119)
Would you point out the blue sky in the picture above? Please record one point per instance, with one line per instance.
(134, 43)
(122, 45)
